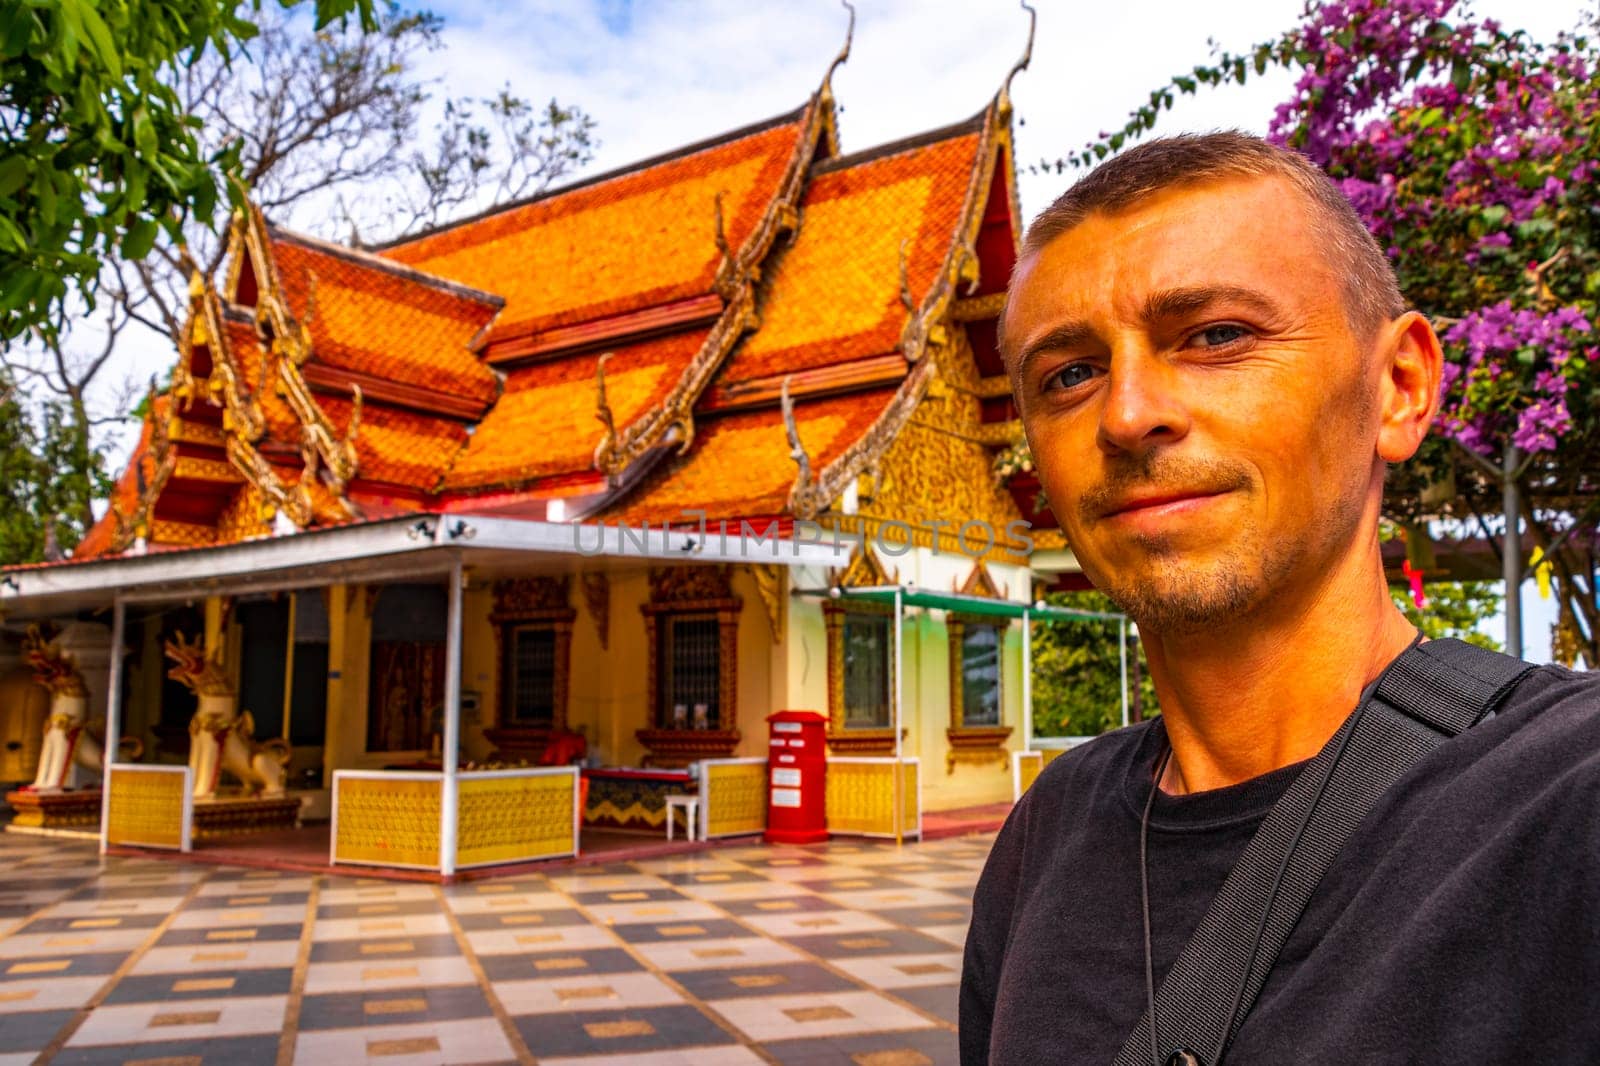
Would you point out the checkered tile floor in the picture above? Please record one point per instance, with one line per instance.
(846, 952)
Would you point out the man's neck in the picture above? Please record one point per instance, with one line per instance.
(1243, 699)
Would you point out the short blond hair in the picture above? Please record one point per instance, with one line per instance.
(1372, 292)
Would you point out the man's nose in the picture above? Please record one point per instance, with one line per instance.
(1144, 407)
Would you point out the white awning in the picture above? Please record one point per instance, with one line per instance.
(391, 549)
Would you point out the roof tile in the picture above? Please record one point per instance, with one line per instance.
(370, 320)
(834, 295)
(546, 422)
(641, 238)
(740, 465)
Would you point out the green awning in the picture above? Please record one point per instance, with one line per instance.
(960, 602)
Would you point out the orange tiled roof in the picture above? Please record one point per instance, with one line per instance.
(379, 318)
(618, 243)
(545, 423)
(834, 295)
(398, 447)
(740, 465)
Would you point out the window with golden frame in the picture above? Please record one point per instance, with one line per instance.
(860, 678)
(977, 691)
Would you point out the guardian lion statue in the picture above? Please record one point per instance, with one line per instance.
(220, 736)
(66, 733)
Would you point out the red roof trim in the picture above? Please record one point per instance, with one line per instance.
(334, 379)
(629, 327)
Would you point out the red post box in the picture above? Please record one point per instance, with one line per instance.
(797, 767)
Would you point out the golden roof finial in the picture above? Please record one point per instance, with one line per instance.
(844, 53)
(1022, 64)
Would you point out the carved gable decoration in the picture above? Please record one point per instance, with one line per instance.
(524, 596)
(677, 584)
(865, 571)
(980, 583)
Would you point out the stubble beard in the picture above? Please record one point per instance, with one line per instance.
(1175, 595)
(1168, 590)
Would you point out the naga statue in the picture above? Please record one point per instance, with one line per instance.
(220, 736)
(66, 731)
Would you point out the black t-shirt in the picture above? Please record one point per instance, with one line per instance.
(1459, 924)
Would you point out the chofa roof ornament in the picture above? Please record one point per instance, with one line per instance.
(1021, 64)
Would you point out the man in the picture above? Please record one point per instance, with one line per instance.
(1214, 366)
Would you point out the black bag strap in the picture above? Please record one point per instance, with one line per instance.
(1431, 693)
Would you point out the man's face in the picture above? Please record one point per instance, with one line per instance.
(1201, 413)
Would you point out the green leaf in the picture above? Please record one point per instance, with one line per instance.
(14, 170)
(140, 238)
(1461, 74)
(99, 36)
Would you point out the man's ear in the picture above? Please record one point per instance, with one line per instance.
(1410, 362)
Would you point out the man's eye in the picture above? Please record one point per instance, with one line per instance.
(1070, 376)
(1218, 336)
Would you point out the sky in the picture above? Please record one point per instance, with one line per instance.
(659, 74)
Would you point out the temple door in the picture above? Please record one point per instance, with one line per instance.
(405, 694)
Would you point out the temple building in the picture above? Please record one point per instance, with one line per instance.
(611, 473)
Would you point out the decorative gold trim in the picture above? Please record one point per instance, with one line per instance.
(864, 571)
(978, 309)
(289, 346)
(1003, 100)
(735, 281)
(930, 327)
(597, 598)
(979, 582)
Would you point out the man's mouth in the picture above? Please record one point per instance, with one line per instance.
(1174, 502)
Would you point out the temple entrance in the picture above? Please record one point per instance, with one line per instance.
(405, 697)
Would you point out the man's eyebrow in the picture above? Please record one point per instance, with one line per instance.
(1066, 335)
(1176, 303)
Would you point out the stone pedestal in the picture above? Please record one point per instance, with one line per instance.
(232, 816)
(56, 813)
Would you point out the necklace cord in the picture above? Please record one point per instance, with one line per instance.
(1144, 902)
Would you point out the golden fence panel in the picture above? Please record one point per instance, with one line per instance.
(860, 797)
(386, 818)
(1025, 769)
(516, 815)
(150, 806)
(733, 797)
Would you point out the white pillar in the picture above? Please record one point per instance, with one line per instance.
(451, 745)
(1027, 681)
(899, 692)
(113, 718)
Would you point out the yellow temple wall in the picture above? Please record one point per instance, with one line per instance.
(608, 699)
(755, 667)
